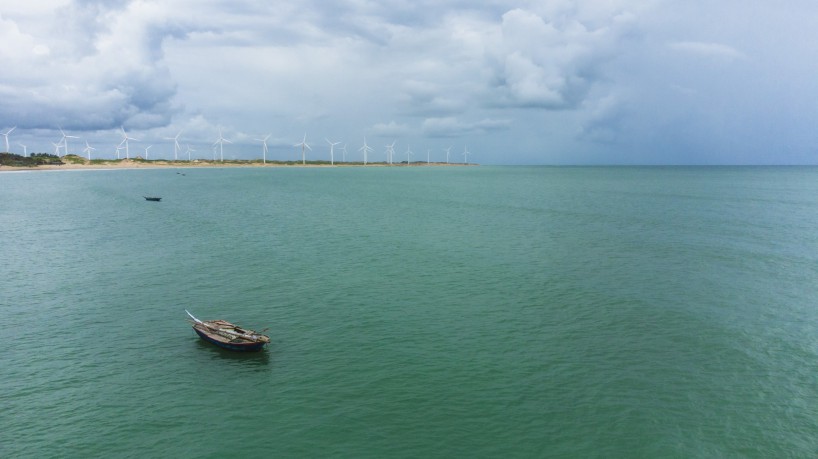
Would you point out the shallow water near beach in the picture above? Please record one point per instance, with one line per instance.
(413, 312)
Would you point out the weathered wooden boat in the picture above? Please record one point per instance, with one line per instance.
(228, 336)
(152, 198)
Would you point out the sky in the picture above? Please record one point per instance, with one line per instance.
(513, 82)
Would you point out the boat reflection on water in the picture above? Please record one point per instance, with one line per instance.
(240, 359)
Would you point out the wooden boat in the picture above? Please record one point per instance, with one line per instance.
(152, 198)
(228, 336)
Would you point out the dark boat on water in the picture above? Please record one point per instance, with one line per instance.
(228, 336)
(152, 198)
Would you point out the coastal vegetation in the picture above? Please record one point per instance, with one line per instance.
(33, 160)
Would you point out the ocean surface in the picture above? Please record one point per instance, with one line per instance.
(429, 312)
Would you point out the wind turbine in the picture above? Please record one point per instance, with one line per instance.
(65, 139)
(88, 148)
(146, 151)
(264, 146)
(6, 135)
(447, 154)
(408, 154)
(303, 145)
(118, 147)
(176, 146)
(56, 148)
(188, 152)
(344, 151)
(331, 150)
(427, 157)
(125, 140)
(390, 151)
(366, 148)
(25, 150)
(465, 155)
(221, 142)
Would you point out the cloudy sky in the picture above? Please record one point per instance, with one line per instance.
(515, 82)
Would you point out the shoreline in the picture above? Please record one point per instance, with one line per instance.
(164, 164)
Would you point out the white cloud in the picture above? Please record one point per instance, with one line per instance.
(716, 50)
(104, 69)
(452, 127)
(551, 64)
(605, 117)
(391, 129)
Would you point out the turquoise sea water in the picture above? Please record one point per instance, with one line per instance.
(414, 312)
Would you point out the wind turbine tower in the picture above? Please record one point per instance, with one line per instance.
(344, 152)
(331, 150)
(408, 154)
(447, 154)
(125, 140)
(390, 151)
(6, 135)
(25, 149)
(366, 149)
(176, 146)
(65, 138)
(188, 152)
(264, 147)
(221, 142)
(146, 151)
(88, 149)
(304, 148)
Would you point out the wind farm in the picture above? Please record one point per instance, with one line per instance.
(164, 151)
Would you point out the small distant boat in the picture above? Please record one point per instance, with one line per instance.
(152, 198)
(227, 335)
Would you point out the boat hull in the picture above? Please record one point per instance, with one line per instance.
(240, 347)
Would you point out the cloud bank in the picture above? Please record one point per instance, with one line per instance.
(569, 81)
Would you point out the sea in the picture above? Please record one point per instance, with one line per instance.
(414, 312)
